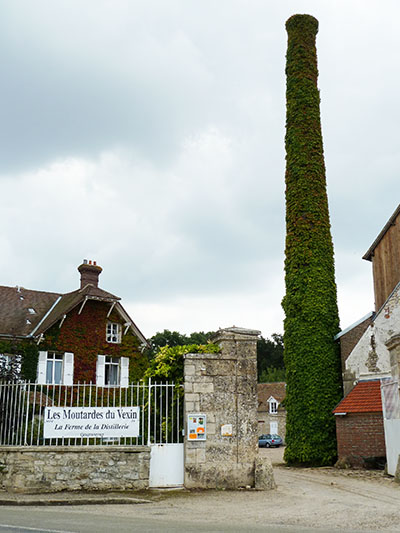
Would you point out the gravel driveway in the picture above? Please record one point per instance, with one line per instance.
(320, 498)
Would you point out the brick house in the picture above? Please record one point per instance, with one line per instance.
(271, 411)
(84, 335)
(359, 425)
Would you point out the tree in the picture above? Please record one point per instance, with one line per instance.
(312, 359)
(168, 362)
(168, 349)
(270, 363)
(270, 356)
(272, 374)
(174, 338)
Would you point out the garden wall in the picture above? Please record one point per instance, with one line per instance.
(56, 468)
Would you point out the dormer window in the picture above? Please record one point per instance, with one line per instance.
(273, 405)
(113, 333)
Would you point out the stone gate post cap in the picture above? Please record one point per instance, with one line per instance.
(236, 331)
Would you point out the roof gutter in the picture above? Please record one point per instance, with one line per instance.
(14, 336)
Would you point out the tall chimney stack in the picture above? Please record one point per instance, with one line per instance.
(90, 273)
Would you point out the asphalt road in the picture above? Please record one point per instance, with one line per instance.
(108, 518)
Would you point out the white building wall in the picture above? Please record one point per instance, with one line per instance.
(370, 358)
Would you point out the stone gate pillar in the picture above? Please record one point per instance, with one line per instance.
(393, 345)
(223, 387)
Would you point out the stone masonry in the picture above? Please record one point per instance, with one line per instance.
(56, 468)
(223, 387)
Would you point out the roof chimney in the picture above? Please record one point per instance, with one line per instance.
(90, 273)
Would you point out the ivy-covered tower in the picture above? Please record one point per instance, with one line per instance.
(311, 356)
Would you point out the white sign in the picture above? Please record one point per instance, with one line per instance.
(226, 430)
(91, 422)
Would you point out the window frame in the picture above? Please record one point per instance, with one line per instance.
(113, 337)
(112, 364)
(273, 406)
(67, 367)
(123, 370)
(52, 357)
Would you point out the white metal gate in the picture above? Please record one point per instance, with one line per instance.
(166, 457)
(166, 465)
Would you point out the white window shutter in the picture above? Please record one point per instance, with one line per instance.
(68, 368)
(41, 369)
(124, 372)
(100, 370)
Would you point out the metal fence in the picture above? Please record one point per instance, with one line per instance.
(22, 408)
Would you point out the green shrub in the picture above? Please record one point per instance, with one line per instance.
(168, 362)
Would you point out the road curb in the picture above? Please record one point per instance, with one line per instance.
(71, 501)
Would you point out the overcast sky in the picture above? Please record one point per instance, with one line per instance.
(149, 136)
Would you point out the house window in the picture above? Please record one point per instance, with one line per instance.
(273, 405)
(54, 368)
(111, 371)
(273, 408)
(113, 332)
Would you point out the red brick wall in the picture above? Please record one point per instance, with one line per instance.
(360, 435)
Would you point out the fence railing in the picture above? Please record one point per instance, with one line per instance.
(22, 411)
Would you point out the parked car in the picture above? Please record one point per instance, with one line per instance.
(269, 441)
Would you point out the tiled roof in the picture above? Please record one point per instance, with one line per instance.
(72, 299)
(266, 390)
(21, 309)
(26, 312)
(364, 398)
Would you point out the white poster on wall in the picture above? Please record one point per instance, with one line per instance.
(91, 422)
